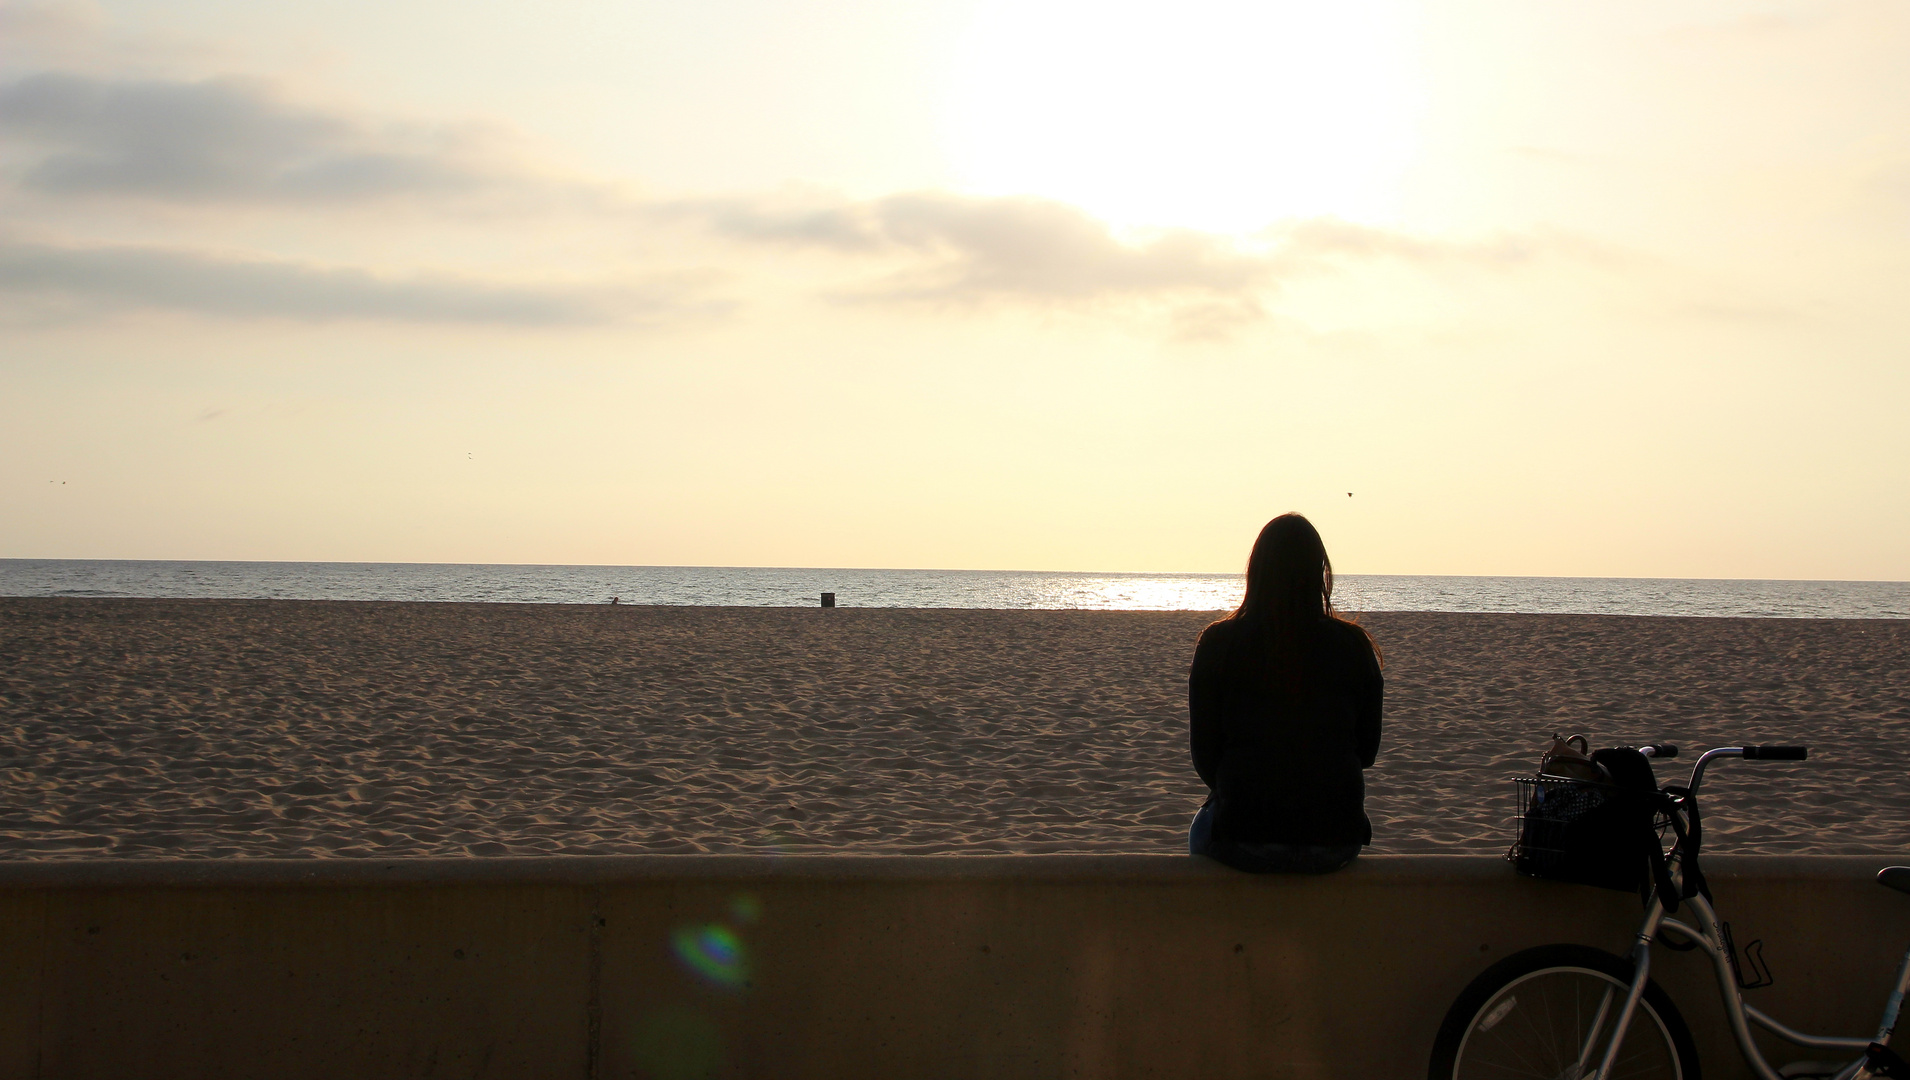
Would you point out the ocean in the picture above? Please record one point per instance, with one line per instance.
(722, 586)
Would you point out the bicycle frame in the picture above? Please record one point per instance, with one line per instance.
(1709, 936)
(1742, 1015)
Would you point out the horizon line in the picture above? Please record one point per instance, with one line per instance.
(948, 570)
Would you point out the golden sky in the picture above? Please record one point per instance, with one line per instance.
(1564, 289)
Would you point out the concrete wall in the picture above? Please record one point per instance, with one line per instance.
(832, 967)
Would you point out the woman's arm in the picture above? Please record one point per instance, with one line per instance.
(1370, 695)
(1203, 707)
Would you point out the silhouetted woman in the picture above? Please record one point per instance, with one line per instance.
(1283, 702)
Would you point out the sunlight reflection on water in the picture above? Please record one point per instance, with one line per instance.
(778, 587)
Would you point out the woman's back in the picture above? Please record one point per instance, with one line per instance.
(1281, 729)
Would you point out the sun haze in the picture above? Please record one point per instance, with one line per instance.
(1563, 290)
(1221, 115)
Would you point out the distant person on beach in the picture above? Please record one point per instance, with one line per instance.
(1283, 702)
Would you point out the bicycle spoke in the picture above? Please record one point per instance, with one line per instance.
(1552, 1025)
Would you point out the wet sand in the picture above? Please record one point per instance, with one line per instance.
(276, 728)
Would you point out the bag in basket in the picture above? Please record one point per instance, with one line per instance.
(1590, 832)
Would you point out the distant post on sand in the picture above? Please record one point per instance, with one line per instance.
(828, 599)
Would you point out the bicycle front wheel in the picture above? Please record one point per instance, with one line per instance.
(1548, 1013)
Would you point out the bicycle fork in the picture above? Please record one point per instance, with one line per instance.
(1640, 975)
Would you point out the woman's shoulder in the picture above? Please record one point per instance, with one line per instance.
(1352, 638)
(1218, 638)
(1344, 629)
(1222, 632)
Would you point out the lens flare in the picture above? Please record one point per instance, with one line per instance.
(713, 953)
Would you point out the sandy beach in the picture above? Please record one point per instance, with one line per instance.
(276, 728)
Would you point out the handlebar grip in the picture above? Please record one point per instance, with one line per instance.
(1663, 750)
(1774, 752)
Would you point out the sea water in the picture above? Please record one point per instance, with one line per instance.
(780, 586)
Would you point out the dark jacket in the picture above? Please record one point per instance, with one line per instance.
(1284, 766)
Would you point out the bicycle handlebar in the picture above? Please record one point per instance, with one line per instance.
(1766, 752)
(1774, 752)
(1659, 750)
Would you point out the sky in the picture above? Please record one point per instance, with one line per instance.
(1481, 286)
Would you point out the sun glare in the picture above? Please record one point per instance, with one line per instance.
(1212, 114)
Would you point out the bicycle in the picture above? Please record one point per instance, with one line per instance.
(1543, 1012)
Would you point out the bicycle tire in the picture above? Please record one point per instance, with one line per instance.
(1525, 1017)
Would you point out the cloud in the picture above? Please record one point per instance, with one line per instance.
(961, 247)
(1321, 239)
(218, 139)
(160, 278)
(974, 247)
(219, 142)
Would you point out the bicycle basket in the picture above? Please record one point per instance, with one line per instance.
(1586, 833)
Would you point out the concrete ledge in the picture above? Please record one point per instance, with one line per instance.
(612, 869)
(834, 966)
(1368, 870)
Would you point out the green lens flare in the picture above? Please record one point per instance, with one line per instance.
(713, 953)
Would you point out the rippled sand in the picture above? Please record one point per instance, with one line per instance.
(167, 727)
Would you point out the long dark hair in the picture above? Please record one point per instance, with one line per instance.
(1290, 595)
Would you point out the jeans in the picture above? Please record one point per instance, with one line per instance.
(1266, 858)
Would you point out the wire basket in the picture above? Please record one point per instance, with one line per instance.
(1547, 807)
(1577, 830)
